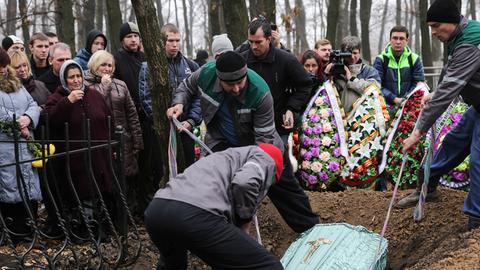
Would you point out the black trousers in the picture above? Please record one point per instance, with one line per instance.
(176, 227)
(288, 197)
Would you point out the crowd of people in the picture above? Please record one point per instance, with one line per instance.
(249, 99)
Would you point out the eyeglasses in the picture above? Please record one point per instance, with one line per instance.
(106, 65)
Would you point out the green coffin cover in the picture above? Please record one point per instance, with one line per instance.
(336, 246)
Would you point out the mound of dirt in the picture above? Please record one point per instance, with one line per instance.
(440, 241)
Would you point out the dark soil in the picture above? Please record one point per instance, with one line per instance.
(440, 241)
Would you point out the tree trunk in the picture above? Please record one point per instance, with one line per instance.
(65, 23)
(473, 9)
(177, 22)
(190, 22)
(157, 62)
(353, 18)
(418, 46)
(159, 12)
(187, 30)
(81, 31)
(99, 15)
(11, 17)
(262, 7)
(22, 7)
(114, 21)
(405, 23)
(89, 14)
(426, 49)
(44, 17)
(332, 21)
(365, 7)
(302, 44)
(382, 28)
(236, 20)
(287, 20)
(341, 21)
(217, 19)
(398, 18)
(206, 25)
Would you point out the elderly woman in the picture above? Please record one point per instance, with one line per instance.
(72, 103)
(115, 92)
(14, 99)
(37, 89)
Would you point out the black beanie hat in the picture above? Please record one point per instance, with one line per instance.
(127, 28)
(7, 42)
(4, 58)
(443, 11)
(231, 66)
(91, 36)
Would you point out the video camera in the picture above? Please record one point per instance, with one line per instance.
(337, 59)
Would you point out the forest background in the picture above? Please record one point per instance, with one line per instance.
(301, 22)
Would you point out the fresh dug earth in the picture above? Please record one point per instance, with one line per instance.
(440, 241)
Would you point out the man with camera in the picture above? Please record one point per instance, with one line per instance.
(349, 72)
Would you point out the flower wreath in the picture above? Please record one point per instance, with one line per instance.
(401, 129)
(366, 125)
(458, 178)
(322, 153)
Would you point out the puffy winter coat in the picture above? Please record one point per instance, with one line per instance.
(398, 78)
(14, 99)
(121, 105)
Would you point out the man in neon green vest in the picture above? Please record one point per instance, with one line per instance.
(399, 68)
(237, 108)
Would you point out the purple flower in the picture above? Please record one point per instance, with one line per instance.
(326, 100)
(307, 156)
(330, 112)
(456, 117)
(308, 130)
(317, 129)
(459, 176)
(323, 176)
(312, 179)
(315, 152)
(337, 152)
(336, 137)
(306, 141)
(315, 118)
(304, 175)
(333, 166)
(316, 142)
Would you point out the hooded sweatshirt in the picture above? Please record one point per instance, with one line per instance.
(83, 55)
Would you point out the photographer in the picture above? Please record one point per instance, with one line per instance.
(356, 75)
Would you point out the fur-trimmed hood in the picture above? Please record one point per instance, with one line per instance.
(10, 83)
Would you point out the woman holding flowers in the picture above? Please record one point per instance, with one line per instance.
(16, 101)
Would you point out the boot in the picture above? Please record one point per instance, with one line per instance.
(412, 199)
(473, 222)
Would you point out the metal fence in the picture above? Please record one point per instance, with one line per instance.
(432, 75)
(108, 238)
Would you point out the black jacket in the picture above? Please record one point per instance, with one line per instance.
(36, 71)
(127, 68)
(50, 80)
(289, 83)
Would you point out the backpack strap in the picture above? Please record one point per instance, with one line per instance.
(385, 62)
(410, 63)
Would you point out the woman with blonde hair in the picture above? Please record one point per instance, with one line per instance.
(115, 92)
(15, 100)
(20, 63)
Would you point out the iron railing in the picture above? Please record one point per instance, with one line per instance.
(105, 242)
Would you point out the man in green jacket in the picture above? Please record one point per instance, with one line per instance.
(461, 76)
(237, 108)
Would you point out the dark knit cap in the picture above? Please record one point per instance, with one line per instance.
(4, 58)
(127, 28)
(231, 66)
(443, 11)
(7, 42)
